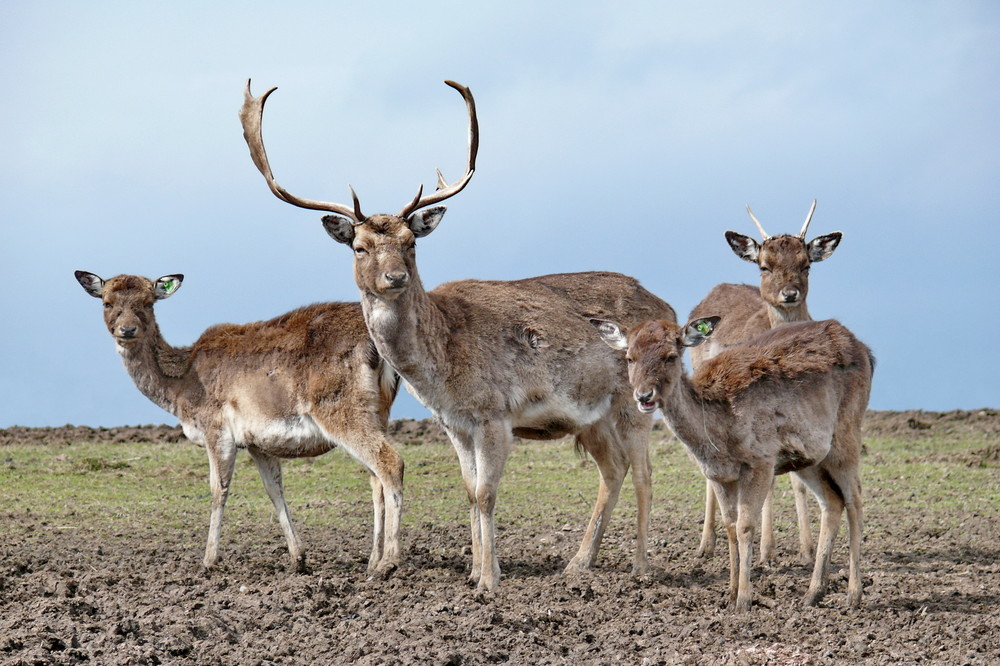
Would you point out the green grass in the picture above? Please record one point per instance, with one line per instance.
(115, 487)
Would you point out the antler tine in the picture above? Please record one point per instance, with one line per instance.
(809, 217)
(444, 190)
(251, 114)
(760, 228)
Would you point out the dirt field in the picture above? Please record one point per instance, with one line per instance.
(76, 593)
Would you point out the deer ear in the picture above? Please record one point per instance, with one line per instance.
(167, 285)
(698, 330)
(92, 284)
(745, 247)
(611, 333)
(425, 221)
(822, 247)
(340, 228)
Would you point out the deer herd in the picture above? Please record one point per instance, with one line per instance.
(592, 355)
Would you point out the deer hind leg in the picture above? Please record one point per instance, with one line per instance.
(831, 504)
(768, 550)
(269, 468)
(221, 463)
(613, 466)
(849, 481)
(707, 546)
(806, 545)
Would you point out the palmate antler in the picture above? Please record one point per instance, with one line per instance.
(252, 112)
(801, 234)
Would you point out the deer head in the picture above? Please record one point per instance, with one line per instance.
(128, 301)
(653, 353)
(784, 260)
(384, 245)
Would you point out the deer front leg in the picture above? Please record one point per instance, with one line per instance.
(493, 443)
(364, 441)
(727, 496)
(755, 485)
(378, 522)
(221, 462)
(707, 546)
(467, 461)
(269, 468)
(642, 480)
(388, 472)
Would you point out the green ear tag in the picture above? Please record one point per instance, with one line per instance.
(703, 327)
(169, 286)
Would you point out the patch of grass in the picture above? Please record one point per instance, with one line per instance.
(111, 487)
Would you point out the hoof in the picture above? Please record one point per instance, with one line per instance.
(575, 566)
(813, 597)
(383, 570)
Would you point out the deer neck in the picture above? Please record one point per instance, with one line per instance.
(409, 332)
(778, 316)
(696, 422)
(157, 368)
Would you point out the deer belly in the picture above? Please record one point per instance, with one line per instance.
(292, 436)
(553, 419)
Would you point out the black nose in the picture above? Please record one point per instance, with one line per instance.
(789, 295)
(397, 279)
(644, 397)
(127, 331)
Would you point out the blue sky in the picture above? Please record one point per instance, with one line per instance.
(614, 136)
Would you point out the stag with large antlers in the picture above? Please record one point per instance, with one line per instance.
(494, 360)
(790, 399)
(291, 387)
(784, 262)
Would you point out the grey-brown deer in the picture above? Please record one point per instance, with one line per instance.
(292, 387)
(784, 262)
(790, 399)
(494, 360)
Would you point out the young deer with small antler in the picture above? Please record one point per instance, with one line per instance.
(790, 399)
(291, 387)
(784, 262)
(494, 360)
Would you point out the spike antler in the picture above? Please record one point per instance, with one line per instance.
(809, 217)
(763, 233)
(250, 116)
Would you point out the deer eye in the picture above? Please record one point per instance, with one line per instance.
(107, 306)
(360, 251)
(765, 270)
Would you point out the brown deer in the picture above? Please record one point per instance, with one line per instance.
(790, 399)
(495, 360)
(292, 387)
(784, 262)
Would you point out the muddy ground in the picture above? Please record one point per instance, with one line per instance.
(932, 589)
